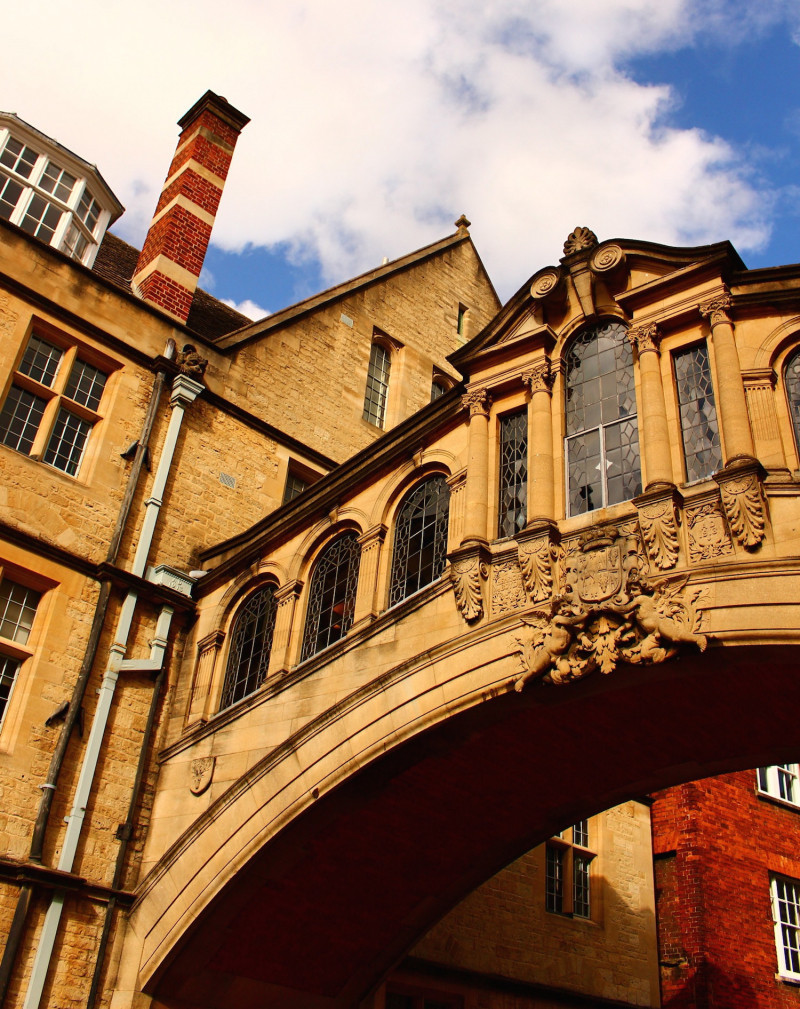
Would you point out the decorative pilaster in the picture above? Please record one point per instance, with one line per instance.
(457, 484)
(536, 548)
(286, 600)
(208, 648)
(759, 388)
(366, 593)
(476, 512)
(541, 490)
(729, 388)
(469, 569)
(654, 429)
(659, 518)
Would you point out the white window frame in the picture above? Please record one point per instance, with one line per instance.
(16, 649)
(68, 209)
(769, 782)
(787, 933)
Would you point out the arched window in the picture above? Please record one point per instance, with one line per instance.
(420, 538)
(602, 444)
(251, 644)
(332, 597)
(793, 392)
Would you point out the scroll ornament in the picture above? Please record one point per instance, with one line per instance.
(609, 613)
(535, 562)
(466, 575)
(660, 532)
(744, 508)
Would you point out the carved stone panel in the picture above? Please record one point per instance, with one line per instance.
(508, 592)
(707, 532)
(468, 571)
(658, 521)
(743, 501)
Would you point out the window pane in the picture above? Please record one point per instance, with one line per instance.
(793, 392)
(332, 596)
(67, 442)
(420, 539)
(295, 486)
(786, 898)
(701, 447)
(377, 385)
(8, 677)
(580, 833)
(41, 218)
(57, 181)
(437, 390)
(18, 158)
(85, 385)
(41, 360)
(553, 881)
(513, 505)
(10, 192)
(89, 210)
(580, 886)
(20, 419)
(251, 645)
(17, 610)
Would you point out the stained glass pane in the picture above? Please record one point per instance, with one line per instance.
(701, 445)
(420, 539)
(332, 597)
(793, 392)
(251, 645)
(513, 504)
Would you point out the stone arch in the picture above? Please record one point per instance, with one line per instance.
(322, 533)
(417, 787)
(430, 460)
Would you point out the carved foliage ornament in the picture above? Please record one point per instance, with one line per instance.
(535, 562)
(477, 402)
(645, 337)
(744, 508)
(466, 574)
(716, 309)
(659, 525)
(609, 613)
(708, 537)
(540, 378)
(578, 240)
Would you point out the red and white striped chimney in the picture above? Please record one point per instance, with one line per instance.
(172, 257)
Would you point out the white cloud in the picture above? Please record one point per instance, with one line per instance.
(248, 308)
(374, 125)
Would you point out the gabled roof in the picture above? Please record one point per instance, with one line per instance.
(294, 312)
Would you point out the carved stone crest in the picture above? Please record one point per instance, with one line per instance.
(202, 774)
(508, 593)
(658, 521)
(467, 573)
(609, 613)
(708, 537)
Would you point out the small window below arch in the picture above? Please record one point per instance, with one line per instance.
(332, 596)
(792, 377)
(420, 538)
(602, 444)
(251, 645)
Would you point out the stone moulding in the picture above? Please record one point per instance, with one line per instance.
(743, 502)
(609, 613)
(468, 571)
(659, 518)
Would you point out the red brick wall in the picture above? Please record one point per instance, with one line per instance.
(715, 843)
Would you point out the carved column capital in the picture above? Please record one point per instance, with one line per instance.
(372, 537)
(645, 337)
(717, 309)
(478, 402)
(289, 591)
(540, 378)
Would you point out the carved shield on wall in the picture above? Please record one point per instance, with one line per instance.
(202, 773)
(601, 573)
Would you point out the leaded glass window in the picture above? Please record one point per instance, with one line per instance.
(512, 512)
(699, 426)
(332, 597)
(420, 538)
(602, 444)
(251, 645)
(377, 385)
(786, 914)
(793, 392)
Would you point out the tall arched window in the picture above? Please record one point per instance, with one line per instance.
(602, 444)
(251, 644)
(793, 392)
(420, 538)
(332, 597)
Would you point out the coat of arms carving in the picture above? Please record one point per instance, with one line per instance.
(609, 612)
(202, 773)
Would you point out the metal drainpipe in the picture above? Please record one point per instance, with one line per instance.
(17, 929)
(184, 391)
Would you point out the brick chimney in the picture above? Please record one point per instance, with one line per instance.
(172, 257)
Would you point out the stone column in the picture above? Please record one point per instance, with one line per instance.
(371, 542)
(286, 601)
(208, 648)
(729, 387)
(653, 430)
(541, 476)
(476, 511)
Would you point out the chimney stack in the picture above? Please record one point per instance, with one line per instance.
(172, 257)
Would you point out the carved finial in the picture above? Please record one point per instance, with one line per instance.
(190, 362)
(463, 224)
(580, 239)
(645, 336)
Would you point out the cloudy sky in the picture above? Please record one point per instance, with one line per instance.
(375, 123)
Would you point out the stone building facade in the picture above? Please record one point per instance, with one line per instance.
(287, 674)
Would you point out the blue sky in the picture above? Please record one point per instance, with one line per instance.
(376, 123)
